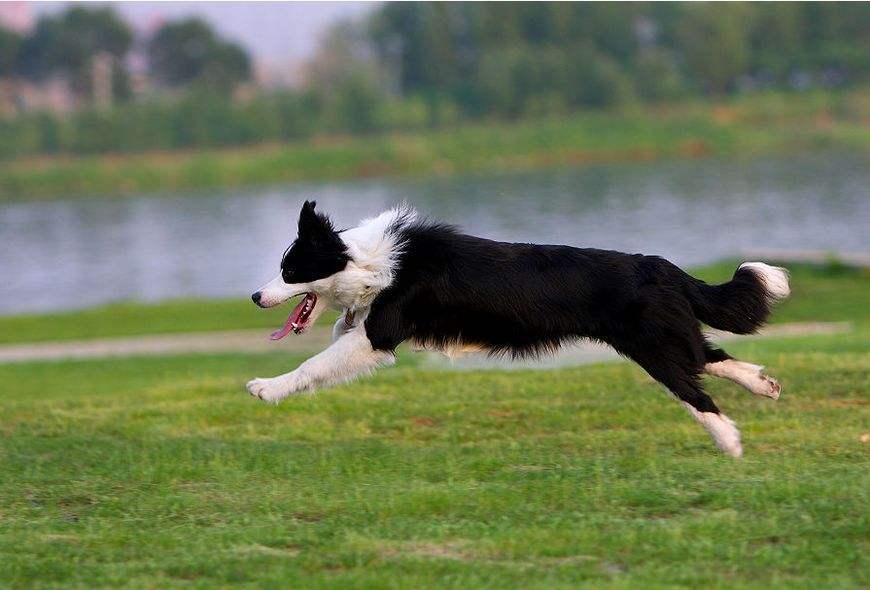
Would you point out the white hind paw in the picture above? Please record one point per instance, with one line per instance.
(768, 387)
(722, 430)
(746, 375)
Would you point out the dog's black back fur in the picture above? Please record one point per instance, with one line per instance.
(525, 299)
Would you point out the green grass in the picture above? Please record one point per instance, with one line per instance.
(134, 319)
(820, 293)
(162, 472)
(746, 126)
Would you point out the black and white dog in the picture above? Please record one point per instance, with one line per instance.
(398, 277)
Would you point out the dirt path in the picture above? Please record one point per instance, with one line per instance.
(319, 337)
(229, 341)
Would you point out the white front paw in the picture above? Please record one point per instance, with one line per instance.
(275, 389)
(268, 390)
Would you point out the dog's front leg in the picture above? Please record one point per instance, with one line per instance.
(349, 356)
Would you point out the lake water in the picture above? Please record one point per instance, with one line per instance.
(75, 253)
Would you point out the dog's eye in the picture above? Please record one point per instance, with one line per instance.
(285, 275)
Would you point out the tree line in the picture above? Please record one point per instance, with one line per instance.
(179, 54)
(513, 58)
(411, 65)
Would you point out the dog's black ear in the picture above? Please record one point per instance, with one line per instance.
(307, 216)
(313, 225)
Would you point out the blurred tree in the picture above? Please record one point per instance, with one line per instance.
(227, 66)
(714, 44)
(608, 27)
(415, 64)
(503, 56)
(657, 77)
(10, 45)
(121, 87)
(775, 40)
(837, 38)
(417, 38)
(189, 52)
(296, 115)
(347, 80)
(596, 80)
(68, 42)
(496, 80)
(356, 104)
(398, 34)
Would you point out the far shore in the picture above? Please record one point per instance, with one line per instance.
(744, 127)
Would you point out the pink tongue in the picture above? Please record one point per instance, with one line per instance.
(293, 318)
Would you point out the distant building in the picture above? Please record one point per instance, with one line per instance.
(16, 16)
(101, 79)
(17, 95)
(53, 95)
(275, 75)
(136, 65)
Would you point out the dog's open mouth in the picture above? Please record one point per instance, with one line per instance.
(298, 319)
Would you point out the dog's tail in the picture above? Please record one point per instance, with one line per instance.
(743, 304)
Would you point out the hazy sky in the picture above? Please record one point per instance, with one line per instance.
(272, 31)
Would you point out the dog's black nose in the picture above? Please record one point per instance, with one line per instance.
(256, 297)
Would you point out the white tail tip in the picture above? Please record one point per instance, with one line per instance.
(774, 278)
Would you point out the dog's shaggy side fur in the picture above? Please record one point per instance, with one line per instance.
(400, 278)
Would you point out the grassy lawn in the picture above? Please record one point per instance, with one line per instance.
(745, 126)
(133, 319)
(162, 472)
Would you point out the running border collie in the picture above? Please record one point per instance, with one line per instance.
(399, 277)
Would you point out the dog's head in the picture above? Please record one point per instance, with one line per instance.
(308, 267)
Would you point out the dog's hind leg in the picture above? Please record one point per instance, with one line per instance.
(670, 347)
(685, 386)
(747, 375)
